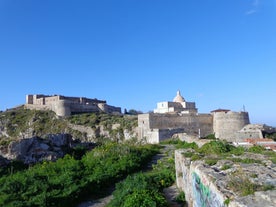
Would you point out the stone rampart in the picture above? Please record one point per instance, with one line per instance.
(65, 106)
(226, 124)
(156, 127)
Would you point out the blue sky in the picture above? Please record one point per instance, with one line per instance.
(135, 53)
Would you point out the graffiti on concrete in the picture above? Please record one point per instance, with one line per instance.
(203, 195)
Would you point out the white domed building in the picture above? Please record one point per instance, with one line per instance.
(178, 105)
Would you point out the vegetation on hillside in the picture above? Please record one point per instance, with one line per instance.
(106, 120)
(114, 124)
(68, 180)
(22, 121)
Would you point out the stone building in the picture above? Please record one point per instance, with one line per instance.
(178, 105)
(180, 116)
(65, 106)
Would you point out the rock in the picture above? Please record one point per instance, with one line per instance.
(44, 146)
(3, 161)
(36, 149)
(18, 149)
(60, 139)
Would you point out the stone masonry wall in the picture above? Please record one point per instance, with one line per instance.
(163, 126)
(198, 187)
(208, 186)
(226, 124)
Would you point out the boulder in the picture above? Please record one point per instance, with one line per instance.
(36, 149)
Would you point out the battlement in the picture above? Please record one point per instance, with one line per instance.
(65, 106)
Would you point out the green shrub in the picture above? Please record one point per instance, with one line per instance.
(211, 161)
(180, 144)
(225, 167)
(216, 147)
(237, 150)
(139, 190)
(146, 189)
(66, 181)
(227, 202)
(180, 198)
(210, 136)
(257, 149)
(196, 157)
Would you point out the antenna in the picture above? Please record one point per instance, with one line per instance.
(243, 108)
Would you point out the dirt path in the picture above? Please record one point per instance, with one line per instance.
(170, 192)
(97, 203)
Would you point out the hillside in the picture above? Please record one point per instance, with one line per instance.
(33, 136)
(24, 123)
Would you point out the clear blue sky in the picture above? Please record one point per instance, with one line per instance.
(135, 53)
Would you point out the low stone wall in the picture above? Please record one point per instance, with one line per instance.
(198, 187)
(207, 186)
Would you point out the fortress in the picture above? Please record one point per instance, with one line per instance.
(65, 106)
(179, 116)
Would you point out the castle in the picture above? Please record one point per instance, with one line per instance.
(179, 116)
(65, 106)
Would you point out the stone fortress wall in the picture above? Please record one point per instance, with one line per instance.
(157, 127)
(65, 106)
(227, 123)
(180, 116)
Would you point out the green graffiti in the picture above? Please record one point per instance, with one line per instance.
(203, 188)
(203, 195)
(201, 191)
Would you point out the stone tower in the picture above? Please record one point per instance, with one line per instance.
(226, 123)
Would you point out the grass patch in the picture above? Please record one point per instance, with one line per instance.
(225, 167)
(239, 182)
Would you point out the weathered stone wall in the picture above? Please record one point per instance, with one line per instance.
(170, 124)
(65, 106)
(226, 124)
(208, 186)
(205, 124)
(61, 108)
(198, 187)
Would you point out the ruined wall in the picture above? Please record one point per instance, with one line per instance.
(226, 124)
(208, 186)
(198, 187)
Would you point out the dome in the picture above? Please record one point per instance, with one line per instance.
(178, 98)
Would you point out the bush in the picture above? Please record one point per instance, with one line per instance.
(210, 136)
(66, 181)
(146, 189)
(257, 149)
(216, 147)
(181, 199)
(211, 161)
(139, 190)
